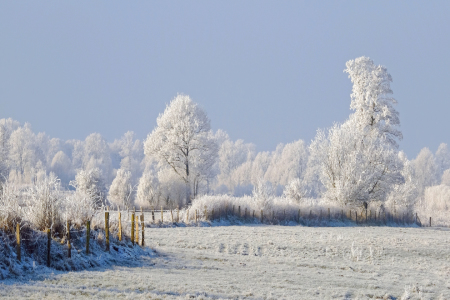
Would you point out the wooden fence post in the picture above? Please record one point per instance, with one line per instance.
(284, 215)
(356, 217)
(162, 216)
(69, 246)
(19, 256)
(298, 217)
(253, 214)
(136, 235)
(239, 211)
(132, 228)
(107, 230)
(142, 230)
(212, 214)
(49, 243)
(178, 214)
(329, 214)
(245, 213)
(195, 217)
(262, 215)
(416, 219)
(171, 214)
(153, 215)
(88, 235)
(206, 214)
(430, 221)
(187, 216)
(120, 226)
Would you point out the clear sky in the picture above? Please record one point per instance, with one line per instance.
(264, 71)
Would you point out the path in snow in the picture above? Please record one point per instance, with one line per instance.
(266, 262)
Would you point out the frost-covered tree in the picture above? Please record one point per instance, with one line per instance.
(172, 189)
(288, 163)
(183, 141)
(62, 167)
(404, 195)
(259, 166)
(22, 154)
(148, 190)
(96, 155)
(121, 189)
(442, 158)
(446, 178)
(425, 170)
(359, 158)
(372, 100)
(232, 155)
(128, 153)
(7, 126)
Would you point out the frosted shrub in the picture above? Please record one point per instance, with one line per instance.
(79, 208)
(10, 212)
(43, 203)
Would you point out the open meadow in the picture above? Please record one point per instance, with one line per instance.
(262, 262)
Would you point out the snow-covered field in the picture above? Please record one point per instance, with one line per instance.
(264, 262)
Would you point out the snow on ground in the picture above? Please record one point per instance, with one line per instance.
(264, 262)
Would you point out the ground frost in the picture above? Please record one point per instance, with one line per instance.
(264, 262)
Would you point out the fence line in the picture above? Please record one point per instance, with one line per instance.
(361, 217)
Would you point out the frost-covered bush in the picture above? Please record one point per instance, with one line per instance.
(43, 203)
(79, 208)
(280, 208)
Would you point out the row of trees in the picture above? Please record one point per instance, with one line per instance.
(354, 163)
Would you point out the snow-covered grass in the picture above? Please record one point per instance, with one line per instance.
(262, 262)
(34, 249)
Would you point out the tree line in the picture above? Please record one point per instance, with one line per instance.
(354, 163)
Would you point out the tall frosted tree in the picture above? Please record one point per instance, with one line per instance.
(359, 158)
(183, 142)
(372, 100)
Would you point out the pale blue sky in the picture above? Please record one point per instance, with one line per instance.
(264, 71)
